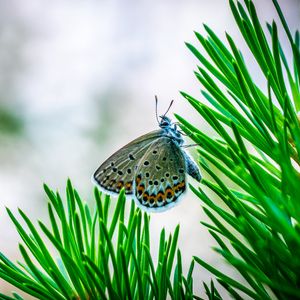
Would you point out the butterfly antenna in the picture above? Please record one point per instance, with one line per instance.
(168, 108)
(156, 105)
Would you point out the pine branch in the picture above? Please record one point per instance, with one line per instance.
(100, 254)
(257, 148)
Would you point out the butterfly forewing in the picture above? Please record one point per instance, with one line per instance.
(160, 175)
(119, 170)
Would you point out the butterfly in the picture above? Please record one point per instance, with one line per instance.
(152, 168)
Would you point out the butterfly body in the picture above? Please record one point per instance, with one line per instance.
(152, 169)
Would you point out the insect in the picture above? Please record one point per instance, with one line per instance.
(152, 168)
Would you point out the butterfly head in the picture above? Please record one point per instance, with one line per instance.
(165, 122)
(171, 130)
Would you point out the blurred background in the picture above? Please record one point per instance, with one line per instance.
(77, 82)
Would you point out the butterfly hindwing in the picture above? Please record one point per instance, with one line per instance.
(118, 170)
(160, 175)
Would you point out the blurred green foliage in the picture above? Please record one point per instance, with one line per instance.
(11, 122)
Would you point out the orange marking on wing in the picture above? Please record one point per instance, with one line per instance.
(160, 197)
(128, 185)
(169, 193)
(152, 197)
(146, 197)
(181, 184)
(179, 187)
(138, 179)
(140, 189)
(120, 184)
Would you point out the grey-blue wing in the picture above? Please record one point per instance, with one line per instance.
(160, 179)
(118, 170)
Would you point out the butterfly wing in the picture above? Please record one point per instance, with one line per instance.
(119, 169)
(160, 176)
